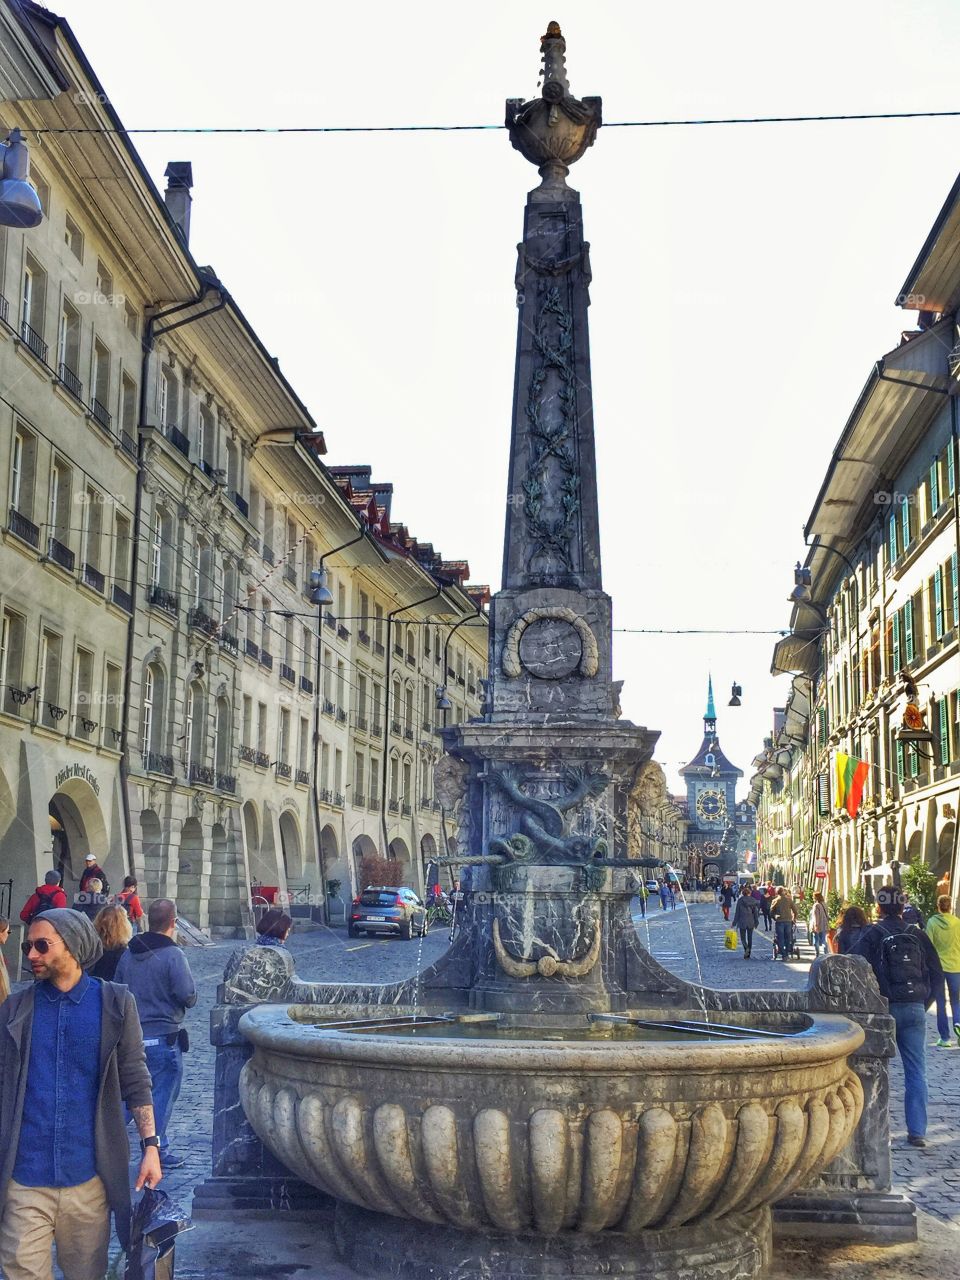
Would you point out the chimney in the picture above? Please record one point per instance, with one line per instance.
(177, 197)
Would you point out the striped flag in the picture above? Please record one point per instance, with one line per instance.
(851, 778)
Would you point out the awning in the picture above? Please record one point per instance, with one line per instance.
(796, 653)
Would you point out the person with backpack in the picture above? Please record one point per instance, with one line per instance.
(129, 899)
(45, 897)
(943, 930)
(909, 974)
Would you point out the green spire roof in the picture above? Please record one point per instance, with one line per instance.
(711, 713)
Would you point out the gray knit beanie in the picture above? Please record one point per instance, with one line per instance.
(78, 934)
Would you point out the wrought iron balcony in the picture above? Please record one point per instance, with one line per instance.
(373, 802)
(411, 660)
(328, 707)
(396, 727)
(101, 414)
(284, 770)
(341, 715)
(122, 599)
(178, 440)
(338, 799)
(262, 760)
(303, 777)
(267, 552)
(330, 620)
(248, 755)
(200, 620)
(34, 342)
(128, 444)
(376, 729)
(398, 650)
(93, 578)
(405, 810)
(207, 468)
(359, 799)
(156, 762)
(393, 806)
(241, 504)
(229, 642)
(60, 554)
(252, 650)
(24, 529)
(326, 796)
(287, 673)
(343, 632)
(362, 723)
(70, 381)
(227, 782)
(424, 802)
(163, 599)
(364, 637)
(435, 806)
(426, 726)
(408, 734)
(306, 684)
(266, 659)
(200, 773)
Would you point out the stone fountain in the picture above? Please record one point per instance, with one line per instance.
(547, 1100)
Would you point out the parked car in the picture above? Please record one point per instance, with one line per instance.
(652, 886)
(382, 908)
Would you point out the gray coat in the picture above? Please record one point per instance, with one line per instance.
(123, 1078)
(746, 914)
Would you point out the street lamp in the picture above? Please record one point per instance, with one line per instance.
(19, 203)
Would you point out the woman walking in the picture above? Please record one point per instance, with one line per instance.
(943, 930)
(853, 923)
(115, 931)
(818, 922)
(746, 917)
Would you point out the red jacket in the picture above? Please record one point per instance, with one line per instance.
(130, 901)
(47, 895)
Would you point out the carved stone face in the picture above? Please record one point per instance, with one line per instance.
(450, 782)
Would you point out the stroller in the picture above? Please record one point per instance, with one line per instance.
(792, 950)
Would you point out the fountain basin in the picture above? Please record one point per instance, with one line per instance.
(538, 1137)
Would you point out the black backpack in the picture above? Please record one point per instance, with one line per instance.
(904, 976)
(46, 900)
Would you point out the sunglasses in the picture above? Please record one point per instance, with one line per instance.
(41, 946)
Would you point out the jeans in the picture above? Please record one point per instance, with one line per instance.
(819, 941)
(165, 1064)
(911, 1020)
(746, 937)
(953, 988)
(784, 937)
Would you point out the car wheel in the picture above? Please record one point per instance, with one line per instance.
(425, 927)
(406, 930)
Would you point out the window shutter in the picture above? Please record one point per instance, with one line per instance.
(944, 730)
(892, 531)
(951, 470)
(934, 485)
(938, 602)
(900, 770)
(905, 521)
(914, 760)
(908, 630)
(954, 584)
(896, 643)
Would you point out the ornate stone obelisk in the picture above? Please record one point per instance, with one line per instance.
(551, 766)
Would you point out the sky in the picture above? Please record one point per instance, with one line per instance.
(744, 277)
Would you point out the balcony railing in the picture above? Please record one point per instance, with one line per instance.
(373, 802)
(70, 381)
(101, 414)
(60, 554)
(393, 806)
(341, 715)
(472, 688)
(93, 578)
(424, 802)
(200, 620)
(252, 650)
(266, 659)
(122, 599)
(427, 726)
(328, 707)
(362, 723)
(359, 799)
(287, 673)
(24, 529)
(267, 552)
(306, 684)
(34, 342)
(241, 504)
(156, 762)
(303, 777)
(395, 727)
(262, 760)
(200, 773)
(364, 637)
(435, 806)
(398, 650)
(163, 599)
(408, 734)
(338, 799)
(178, 440)
(411, 660)
(227, 782)
(128, 444)
(284, 770)
(378, 648)
(376, 729)
(326, 796)
(229, 642)
(290, 574)
(248, 755)
(330, 620)
(343, 632)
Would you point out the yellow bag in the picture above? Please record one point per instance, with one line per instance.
(730, 939)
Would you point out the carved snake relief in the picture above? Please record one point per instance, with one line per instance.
(546, 966)
(542, 820)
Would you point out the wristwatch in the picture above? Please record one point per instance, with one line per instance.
(152, 1141)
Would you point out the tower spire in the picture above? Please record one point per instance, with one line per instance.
(711, 712)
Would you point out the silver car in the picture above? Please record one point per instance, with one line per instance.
(384, 908)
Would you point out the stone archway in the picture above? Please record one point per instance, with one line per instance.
(915, 847)
(401, 854)
(291, 846)
(225, 896)
(945, 850)
(80, 829)
(364, 850)
(335, 866)
(153, 854)
(190, 871)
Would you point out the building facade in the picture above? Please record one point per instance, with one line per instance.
(711, 779)
(174, 698)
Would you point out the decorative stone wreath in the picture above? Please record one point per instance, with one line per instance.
(590, 658)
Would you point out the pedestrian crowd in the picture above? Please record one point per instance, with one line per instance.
(94, 1043)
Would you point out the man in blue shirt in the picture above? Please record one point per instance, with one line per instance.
(71, 1054)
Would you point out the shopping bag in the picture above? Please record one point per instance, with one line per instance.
(155, 1223)
(730, 939)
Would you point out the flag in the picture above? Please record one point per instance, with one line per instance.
(851, 778)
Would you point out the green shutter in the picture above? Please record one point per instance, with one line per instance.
(934, 485)
(914, 761)
(938, 602)
(956, 595)
(944, 730)
(951, 470)
(892, 531)
(908, 630)
(896, 643)
(900, 761)
(905, 520)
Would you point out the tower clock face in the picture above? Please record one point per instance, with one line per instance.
(711, 805)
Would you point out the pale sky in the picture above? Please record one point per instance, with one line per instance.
(744, 276)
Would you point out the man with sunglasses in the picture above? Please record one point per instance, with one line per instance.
(71, 1055)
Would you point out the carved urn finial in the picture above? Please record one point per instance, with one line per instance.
(554, 130)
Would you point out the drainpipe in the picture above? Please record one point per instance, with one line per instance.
(318, 678)
(151, 331)
(386, 708)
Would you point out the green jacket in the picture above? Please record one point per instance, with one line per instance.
(783, 909)
(123, 1078)
(943, 930)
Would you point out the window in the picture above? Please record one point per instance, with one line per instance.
(58, 511)
(268, 525)
(228, 596)
(233, 468)
(309, 560)
(324, 766)
(378, 623)
(146, 712)
(12, 636)
(113, 704)
(283, 743)
(306, 656)
(247, 732)
(341, 602)
(909, 636)
(261, 726)
(288, 642)
(196, 726)
(68, 349)
(83, 701)
(73, 238)
(936, 603)
(933, 487)
(408, 708)
(93, 527)
(338, 770)
(131, 319)
(303, 756)
(104, 280)
(394, 779)
(954, 590)
(340, 682)
(168, 398)
(358, 775)
(364, 611)
(23, 471)
(892, 537)
(374, 796)
(42, 188)
(265, 627)
(375, 705)
(426, 642)
(128, 404)
(361, 695)
(101, 383)
(156, 549)
(206, 439)
(222, 746)
(906, 521)
(33, 303)
(943, 725)
(50, 656)
(121, 553)
(411, 646)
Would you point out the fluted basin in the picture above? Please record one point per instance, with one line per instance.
(549, 1138)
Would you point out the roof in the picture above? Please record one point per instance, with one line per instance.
(698, 765)
(933, 282)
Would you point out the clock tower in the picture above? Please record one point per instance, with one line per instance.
(711, 798)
